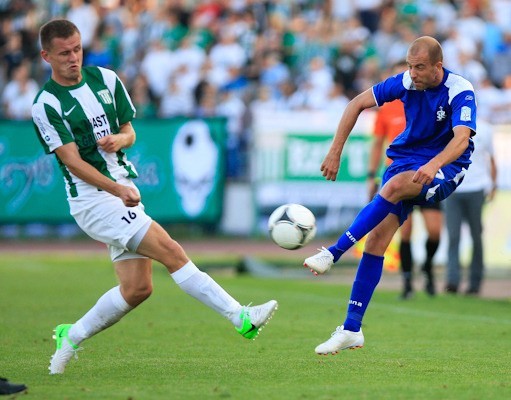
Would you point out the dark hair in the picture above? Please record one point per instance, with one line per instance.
(57, 28)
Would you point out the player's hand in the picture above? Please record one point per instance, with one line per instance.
(330, 167)
(129, 196)
(111, 143)
(425, 174)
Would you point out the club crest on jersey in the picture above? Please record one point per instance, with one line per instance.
(440, 114)
(105, 96)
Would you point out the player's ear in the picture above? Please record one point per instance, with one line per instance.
(44, 55)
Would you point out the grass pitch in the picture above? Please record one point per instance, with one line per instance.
(173, 347)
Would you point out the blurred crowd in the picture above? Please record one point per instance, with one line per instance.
(230, 57)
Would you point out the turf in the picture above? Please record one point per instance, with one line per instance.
(173, 347)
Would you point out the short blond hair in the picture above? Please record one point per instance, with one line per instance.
(431, 45)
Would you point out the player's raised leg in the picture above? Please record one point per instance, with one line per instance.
(370, 216)
(349, 335)
(247, 320)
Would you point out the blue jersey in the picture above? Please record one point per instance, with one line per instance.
(430, 114)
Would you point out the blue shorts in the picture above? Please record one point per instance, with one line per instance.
(445, 182)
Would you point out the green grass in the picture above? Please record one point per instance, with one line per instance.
(173, 347)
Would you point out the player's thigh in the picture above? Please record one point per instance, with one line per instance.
(380, 237)
(158, 245)
(400, 187)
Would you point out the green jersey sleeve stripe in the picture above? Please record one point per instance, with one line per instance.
(123, 104)
(50, 127)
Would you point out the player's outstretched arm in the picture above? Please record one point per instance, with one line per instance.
(70, 156)
(330, 165)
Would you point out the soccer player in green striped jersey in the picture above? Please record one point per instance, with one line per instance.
(83, 115)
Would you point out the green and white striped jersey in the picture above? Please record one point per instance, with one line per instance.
(84, 113)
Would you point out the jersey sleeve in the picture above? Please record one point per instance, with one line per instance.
(390, 89)
(123, 104)
(50, 128)
(464, 110)
(125, 108)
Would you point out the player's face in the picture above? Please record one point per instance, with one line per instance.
(424, 74)
(65, 57)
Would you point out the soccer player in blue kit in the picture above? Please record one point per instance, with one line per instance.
(429, 160)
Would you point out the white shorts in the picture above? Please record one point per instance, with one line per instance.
(105, 218)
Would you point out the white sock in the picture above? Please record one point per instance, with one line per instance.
(109, 309)
(201, 286)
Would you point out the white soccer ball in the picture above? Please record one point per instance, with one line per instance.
(292, 226)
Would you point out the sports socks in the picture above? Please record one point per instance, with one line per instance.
(369, 273)
(405, 253)
(108, 310)
(201, 286)
(370, 216)
(431, 248)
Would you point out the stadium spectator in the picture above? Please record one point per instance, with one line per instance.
(19, 94)
(85, 16)
(298, 31)
(113, 215)
(418, 174)
(466, 205)
(273, 73)
(176, 100)
(234, 109)
(158, 77)
(99, 54)
(12, 53)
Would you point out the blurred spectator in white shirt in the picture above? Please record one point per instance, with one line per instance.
(469, 24)
(176, 100)
(453, 45)
(19, 94)
(158, 66)
(227, 52)
(337, 99)
(86, 18)
(318, 83)
(471, 69)
(386, 35)
(489, 102)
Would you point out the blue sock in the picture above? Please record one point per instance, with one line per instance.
(370, 216)
(369, 273)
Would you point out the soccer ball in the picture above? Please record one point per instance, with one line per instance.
(292, 226)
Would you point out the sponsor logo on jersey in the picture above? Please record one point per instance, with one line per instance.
(105, 96)
(440, 114)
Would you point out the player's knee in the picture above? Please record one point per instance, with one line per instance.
(375, 244)
(135, 295)
(400, 187)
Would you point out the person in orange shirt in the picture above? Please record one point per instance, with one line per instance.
(390, 122)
